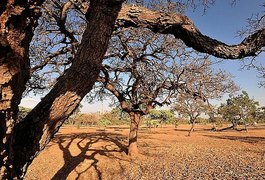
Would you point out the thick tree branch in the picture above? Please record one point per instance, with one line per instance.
(183, 28)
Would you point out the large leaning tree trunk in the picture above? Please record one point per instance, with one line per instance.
(133, 135)
(31, 135)
(18, 20)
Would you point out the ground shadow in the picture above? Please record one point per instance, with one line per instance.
(182, 130)
(246, 139)
(195, 130)
(226, 129)
(84, 143)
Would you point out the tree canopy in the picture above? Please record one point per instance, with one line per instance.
(239, 108)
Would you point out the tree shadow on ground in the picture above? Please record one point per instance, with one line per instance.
(181, 130)
(195, 130)
(84, 141)
(246, 139)
(226, 129)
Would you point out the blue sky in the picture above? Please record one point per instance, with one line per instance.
(221, 21)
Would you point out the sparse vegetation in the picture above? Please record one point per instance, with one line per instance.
(114, 117)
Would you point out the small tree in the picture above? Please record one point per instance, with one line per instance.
(238, 109)
(192, 108)
(163, 116)
(204, 85)
(260, 114)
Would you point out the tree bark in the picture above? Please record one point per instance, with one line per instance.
(233, 126)
(192, 128)
(133, 135)
(246, 126)
(176, 123)
(183, 28)
(18, 20)
(32, 134)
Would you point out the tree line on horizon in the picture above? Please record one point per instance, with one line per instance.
(239, 109)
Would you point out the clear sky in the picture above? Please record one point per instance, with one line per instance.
(221, 21)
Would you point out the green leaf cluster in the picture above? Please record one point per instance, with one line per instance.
(240, 108)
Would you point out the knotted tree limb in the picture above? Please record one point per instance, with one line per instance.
(183, 28)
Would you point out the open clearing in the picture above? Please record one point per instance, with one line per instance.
(166, 153)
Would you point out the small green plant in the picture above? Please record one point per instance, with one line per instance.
(104, 122)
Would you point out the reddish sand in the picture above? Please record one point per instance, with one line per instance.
(165, 153)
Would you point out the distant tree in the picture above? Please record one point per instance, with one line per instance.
(85, 119)
(240, 108)
(208, 85)
(116, 117)
(260, 114)
(163, 116)
(92, 119)
(192, 108)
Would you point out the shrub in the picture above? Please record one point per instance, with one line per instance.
(104, 122)
(164, 116)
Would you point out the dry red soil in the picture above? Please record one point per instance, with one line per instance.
(165, 153)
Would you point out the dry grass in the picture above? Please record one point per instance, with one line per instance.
(166, 153)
